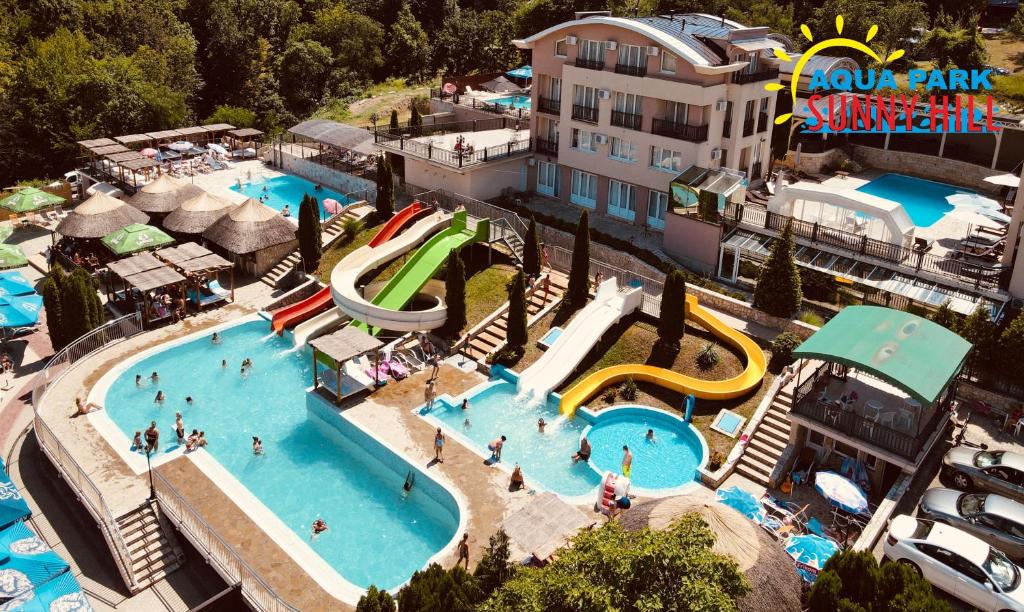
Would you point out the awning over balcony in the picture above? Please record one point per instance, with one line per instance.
(910, 352)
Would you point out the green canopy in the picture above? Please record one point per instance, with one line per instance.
(6, 231)
(910, 352)
(136, 237)
(30, 199)
(11, 256)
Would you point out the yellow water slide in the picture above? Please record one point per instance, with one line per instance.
(736, 386)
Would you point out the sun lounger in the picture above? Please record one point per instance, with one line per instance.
(398, 370)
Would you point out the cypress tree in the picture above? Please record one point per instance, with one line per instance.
(494, 568)
(778, 286)
(394, 119)
(517, 332)
(579, 275)
(376, 600)
(53, 305)
(310, 247)
(415, 120)
(455, 295)
(531, 250)
(75, 306)
(979, 330)
(1011, 350)
(945, 316)
(385, 189)
(671, 317)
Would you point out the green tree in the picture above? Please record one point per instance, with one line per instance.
(707, 206)
(393, 124)
(945, 316)
(778, 286)
(783, 346)
(438, 590)
(1011, 350)
(858, 17)
(232, 115)
(79, 305)
(356, 41)
(455, 295)
(531, 250)
(376, 600)
(609, 568)
(897, 22)
(775, 15)
(305, 70)
(1016, 25)
(414, 119)
(385, 187)
(579, 274)
(310, 230)
(494, 568)
(517, 332)
(853, 580)
(956, 47)
(980, 331)
(672, 313)
(408, 49)
(53, 301)
(472, 41)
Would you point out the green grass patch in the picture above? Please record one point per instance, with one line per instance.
(1010, 87)
(485, 292)
(341, 248)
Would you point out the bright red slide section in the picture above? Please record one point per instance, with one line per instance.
(399, 222)
(297, 313)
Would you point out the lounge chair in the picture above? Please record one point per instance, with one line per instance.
(923, 245)
(398, 369)
(803, 467)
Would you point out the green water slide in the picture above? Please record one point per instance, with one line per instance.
(425, 263)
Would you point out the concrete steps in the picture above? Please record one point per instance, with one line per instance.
(153, 551)
(491, 338)
(768, 442)
(330, 233)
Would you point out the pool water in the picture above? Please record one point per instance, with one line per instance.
(310, 466)
(729, 422)
(924, 201)
(550, 337)
(522, 102)
(288, 189)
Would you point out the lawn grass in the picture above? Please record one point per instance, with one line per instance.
(485, 292)
(340, 248)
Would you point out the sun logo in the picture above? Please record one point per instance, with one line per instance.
(819, 47)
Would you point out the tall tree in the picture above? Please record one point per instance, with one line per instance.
(376, 600)
(1011, 350)
(778, 286)
(310, 231)
(579, 274)
(440, 590)
(305, 70)
(672, 314)
(945, 316)
(531, 250)
(414, 119)
(494, 568)
(408, 49)
(385, 188)
(956, 47)
(393, 124)
(455, 295)
(980, 331)
(517, 333)
(53, 304)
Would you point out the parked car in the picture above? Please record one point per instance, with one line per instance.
(956, 562)
(999, 472)
(993, 518)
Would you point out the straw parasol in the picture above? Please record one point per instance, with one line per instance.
(249, 228)
(197, 214)
(774, 583)
(163, 195)
(99, 216)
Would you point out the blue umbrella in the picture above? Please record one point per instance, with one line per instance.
(841, 492)
(60, 593)
(523, 72)
(14, 283)
(742, 501)
(20, 310)
(810, 552)
(28, 563)
(12, 506)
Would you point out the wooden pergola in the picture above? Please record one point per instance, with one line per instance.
(197, 262)
(333, 350)
(143, 273)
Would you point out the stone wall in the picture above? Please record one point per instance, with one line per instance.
(334, 179)
(926, 166)
(815, 163)
(746, 311)
(303, 291)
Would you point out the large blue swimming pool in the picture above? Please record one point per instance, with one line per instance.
(924, 201)
(287, 190)
(314, 464)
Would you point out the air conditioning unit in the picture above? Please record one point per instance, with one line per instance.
(610, 45)
(570, 40)
(600, 139)
(721, 105)
(653, 51)
(716, 153)
(604, 94)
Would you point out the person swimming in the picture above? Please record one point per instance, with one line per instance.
(650, 435)
(224, 363)
(216, 338)
(466, 424)
(188, 400)
(160, 397)
(319, 526)
(257, 445)
(138, 380)
(410, 480)
(541, 424)
(154, 377)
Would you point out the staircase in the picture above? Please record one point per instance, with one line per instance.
(331, 231)
(152, 548)
(491, 337)
(768, 441)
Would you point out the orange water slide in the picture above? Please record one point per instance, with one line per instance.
(736, 386)
(299, 312)
(399, 222)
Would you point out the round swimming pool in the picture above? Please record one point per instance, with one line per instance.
(668, 461)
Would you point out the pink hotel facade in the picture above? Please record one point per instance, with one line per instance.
(620, 106)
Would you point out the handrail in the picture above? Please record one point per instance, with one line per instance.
(216, 550)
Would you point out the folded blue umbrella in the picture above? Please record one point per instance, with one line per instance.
(60, 593)
(14, 283)
(29, 562)
(20, 310)
(742, 501)
(12, 506)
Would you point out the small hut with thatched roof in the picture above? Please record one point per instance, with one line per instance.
(98, 216)
(254, 236)
(775, 585)
(197, 214)
(163, 195)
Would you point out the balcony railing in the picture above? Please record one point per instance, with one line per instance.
(472, 102)
(748, 127)
(548, 147)
(742, 78)
(549, 106)
(592, 64)
(682, 131)
(584, 113)
(631, 70)
(762, 122)
(410, 141)
(630, 121)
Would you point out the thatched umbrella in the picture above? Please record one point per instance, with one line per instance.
(775, 585)
(249, 228)
(197, 214)
(163, 195)
(98, 216)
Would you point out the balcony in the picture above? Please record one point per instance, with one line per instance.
(584, 113)
(630, 121)
(547, 147)
(762, 122)
(748, 127)
(682, 131)
(592, 64)
(637, 71)
(459, 144)
(550, 106)
(742, 78)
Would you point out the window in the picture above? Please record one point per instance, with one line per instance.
(622, 150)
(583, 140)
(677, 112)
(621, 200)
(584, 96)
(748, 112)
(560, 48)
(657, 206)
(764, 104)
(629, 103)
(548, 130)
(632, 55)
(584, 189)
(751, 59)
(816, 439)
(668, 63)
(592, 50)
(555, 88)
(666, 159)
(844, 449)
(547, 179)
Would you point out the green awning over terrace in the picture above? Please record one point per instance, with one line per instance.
(912, 353)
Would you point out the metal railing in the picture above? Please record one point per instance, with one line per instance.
(584, 113)
(742, 78)
(590, 64)
(682, 131)
(549, 147)
(632, 121)
(216, 551)
(467, 101)
(549, 106)
(460, 158)
(631, 70)
(560, 258)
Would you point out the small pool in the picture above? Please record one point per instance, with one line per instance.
(924, 201)
(550, 337)
(288, 189)
(520, 102)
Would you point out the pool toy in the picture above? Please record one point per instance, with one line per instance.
(736, 386)
(612, 488)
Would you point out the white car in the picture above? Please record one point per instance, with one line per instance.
(956, 562)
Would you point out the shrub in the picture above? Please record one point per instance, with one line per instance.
(350, 228)
(708, 357)
(393, 124)
(853, 580)
(629, 390)
(376, 600)
(507, 356)
(782, 348)
(609, 394)
(715, 461)
(494, 567)
(811, 318)
(945, 316)
(1016, 25)
(438, 589)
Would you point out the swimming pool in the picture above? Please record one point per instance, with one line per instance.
(315, 463)
(521, 102)
(288, 189)
(924, 201)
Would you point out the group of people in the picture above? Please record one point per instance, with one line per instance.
(167, 302)
(78, 253)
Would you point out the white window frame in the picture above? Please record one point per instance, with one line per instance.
(674, 109)
(672, 162)
(583, 191)
(555, 88)
(632, 55)
(618, 146)
(657, 202)
(547, 178)
(583, 95)
(621, 200)
(583, 140)
(629, 103)
(668, 63)
(565, 48)
(592, 50)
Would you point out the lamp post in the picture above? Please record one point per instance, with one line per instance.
(149, 467)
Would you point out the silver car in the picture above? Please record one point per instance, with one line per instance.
(999, 472)
(995, 519)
